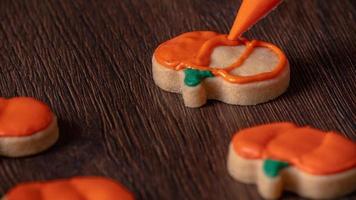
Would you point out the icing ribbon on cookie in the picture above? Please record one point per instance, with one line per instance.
(23, 116)
(193, 50)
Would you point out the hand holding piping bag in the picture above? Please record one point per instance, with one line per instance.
(250, 12)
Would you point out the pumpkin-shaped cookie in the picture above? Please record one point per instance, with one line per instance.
(300, 159)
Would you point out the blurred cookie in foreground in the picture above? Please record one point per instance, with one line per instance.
(77, 188)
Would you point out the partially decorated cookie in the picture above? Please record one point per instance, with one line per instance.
(78, 188)
(207, 65)
(27, 127)
(304, 160)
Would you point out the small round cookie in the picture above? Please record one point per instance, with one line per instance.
(78, 188)
(27, 127)
(304, 160)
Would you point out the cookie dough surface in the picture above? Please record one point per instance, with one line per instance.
(260, 61)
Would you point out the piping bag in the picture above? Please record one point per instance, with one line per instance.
(250, 12)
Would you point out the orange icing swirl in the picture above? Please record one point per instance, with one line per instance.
(193, 50)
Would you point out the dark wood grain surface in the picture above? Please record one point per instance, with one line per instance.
(90, 60)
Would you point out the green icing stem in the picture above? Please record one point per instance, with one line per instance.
(272, 167)
(194, 77)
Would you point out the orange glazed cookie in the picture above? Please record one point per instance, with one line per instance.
(304, 160)
(79, 188)
(206, 65)
(27, 127)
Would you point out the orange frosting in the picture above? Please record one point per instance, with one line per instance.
(310, 150)
(250, 12)
(23, 116)
(193, 50)
(80, 188)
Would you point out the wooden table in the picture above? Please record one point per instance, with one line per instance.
(91, 62)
